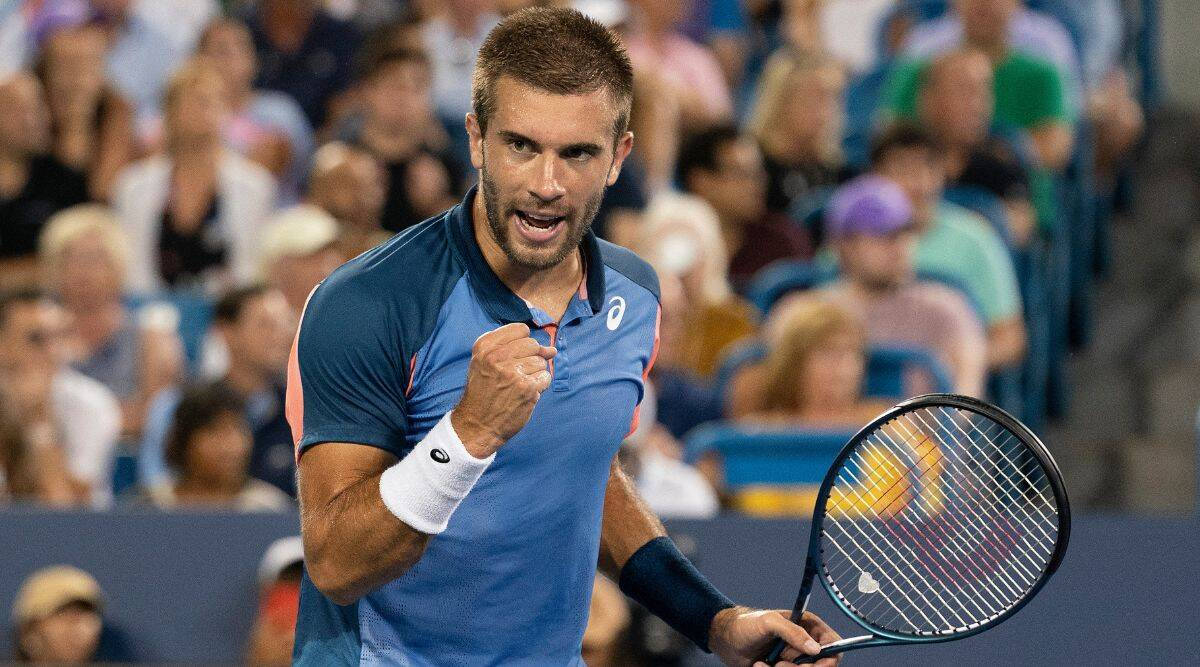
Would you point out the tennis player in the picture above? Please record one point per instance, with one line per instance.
(458, 394)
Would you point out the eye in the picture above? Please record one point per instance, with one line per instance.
(579, 154)
(520, 145)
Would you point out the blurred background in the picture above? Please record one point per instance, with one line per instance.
(848, 202)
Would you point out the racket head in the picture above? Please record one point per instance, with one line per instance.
(935, 528)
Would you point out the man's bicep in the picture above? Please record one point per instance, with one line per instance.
(346, 378)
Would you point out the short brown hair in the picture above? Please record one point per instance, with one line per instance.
(557, 50)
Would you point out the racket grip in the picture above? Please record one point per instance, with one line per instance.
(777, 650)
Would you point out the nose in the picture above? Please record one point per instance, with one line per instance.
(547, 187)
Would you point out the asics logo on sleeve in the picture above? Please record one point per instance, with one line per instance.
(616, 313)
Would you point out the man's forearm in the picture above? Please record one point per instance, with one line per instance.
(354, 544)
(628, 523)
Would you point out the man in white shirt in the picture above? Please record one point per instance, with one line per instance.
(54, 405)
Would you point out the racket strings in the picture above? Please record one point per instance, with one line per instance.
(938, 522)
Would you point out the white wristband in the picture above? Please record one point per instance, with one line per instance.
(426, 486)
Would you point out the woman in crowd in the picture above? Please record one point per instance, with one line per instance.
(681, 236)
(92, 127)
(813, 374)
(264, 125)
(797, 118)
(83, 261)
(209, 450)
(192, 213)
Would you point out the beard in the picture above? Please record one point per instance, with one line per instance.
(577, 225)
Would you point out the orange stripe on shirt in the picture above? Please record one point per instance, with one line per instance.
(294, 396)
(646, 372)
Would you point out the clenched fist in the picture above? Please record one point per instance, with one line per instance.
(507, 375)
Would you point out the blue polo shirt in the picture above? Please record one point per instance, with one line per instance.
(381, 355)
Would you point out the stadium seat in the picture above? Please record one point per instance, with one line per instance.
(195, 315)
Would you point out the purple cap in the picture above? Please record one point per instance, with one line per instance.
(871, 205)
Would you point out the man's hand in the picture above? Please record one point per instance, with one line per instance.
(740, 636)
(506, 378)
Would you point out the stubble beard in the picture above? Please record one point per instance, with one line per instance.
(577, 226)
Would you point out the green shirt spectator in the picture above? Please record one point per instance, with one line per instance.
(1028, 92)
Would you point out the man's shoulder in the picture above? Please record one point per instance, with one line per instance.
(627, 263)
(408, 275)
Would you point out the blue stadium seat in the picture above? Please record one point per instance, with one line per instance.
(195, 317)
(761, 456)
(773, 282)
(983, 202)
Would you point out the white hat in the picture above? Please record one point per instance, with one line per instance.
(608, 13)
(296, 232)
(282, 553)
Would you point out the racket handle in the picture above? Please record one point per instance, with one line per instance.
(772, 657)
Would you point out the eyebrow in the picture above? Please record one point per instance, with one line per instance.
(585, 146)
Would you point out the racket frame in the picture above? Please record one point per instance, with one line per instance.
(880, 636)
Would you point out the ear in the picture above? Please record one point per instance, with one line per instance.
(475, 138)
(623, 147)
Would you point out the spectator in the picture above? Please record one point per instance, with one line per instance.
(348, 184)
(813, 373)
(53, 405)
(956, 107)
(57, 617)
(135, 355)
(682, 400)
(181, 21)
(33, 185)
(651, 457)
(256, 327)
(955, 243)
(1029, 92)
(690, 70)
(304, 52)
(452, 37)
(209, 450)
(871, 228)
(397, 126)
(300, 248)
(30, 473)
(264, 125)
(681, 236)
(192, 213)
(92, 126)
(274, 630)
(725, 168)
(140, 58)
(797, 119)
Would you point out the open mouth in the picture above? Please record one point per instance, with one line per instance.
(539, 227)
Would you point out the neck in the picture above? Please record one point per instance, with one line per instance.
(996, 51)
(197, 490)
(195, 153)
(544, 287)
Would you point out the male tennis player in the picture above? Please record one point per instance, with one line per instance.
(458, 395)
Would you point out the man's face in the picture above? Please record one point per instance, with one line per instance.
(737, 187)
(262, 335)
(543, 166)
(24, 127)
(69, 635)
(878, 263)
(31, 337)
(920, 173)
(399, 95)
(232, 52)
(219, 451)
(353, 190)
(985, 22)
(958, 101)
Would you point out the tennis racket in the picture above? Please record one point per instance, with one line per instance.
(937, 521)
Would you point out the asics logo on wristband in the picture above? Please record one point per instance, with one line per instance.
(439, 456)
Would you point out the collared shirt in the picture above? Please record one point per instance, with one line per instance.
(382, 354)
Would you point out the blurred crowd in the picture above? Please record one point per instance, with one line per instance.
(847, 202)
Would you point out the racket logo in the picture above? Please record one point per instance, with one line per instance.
(867, 584)
(439, 456)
